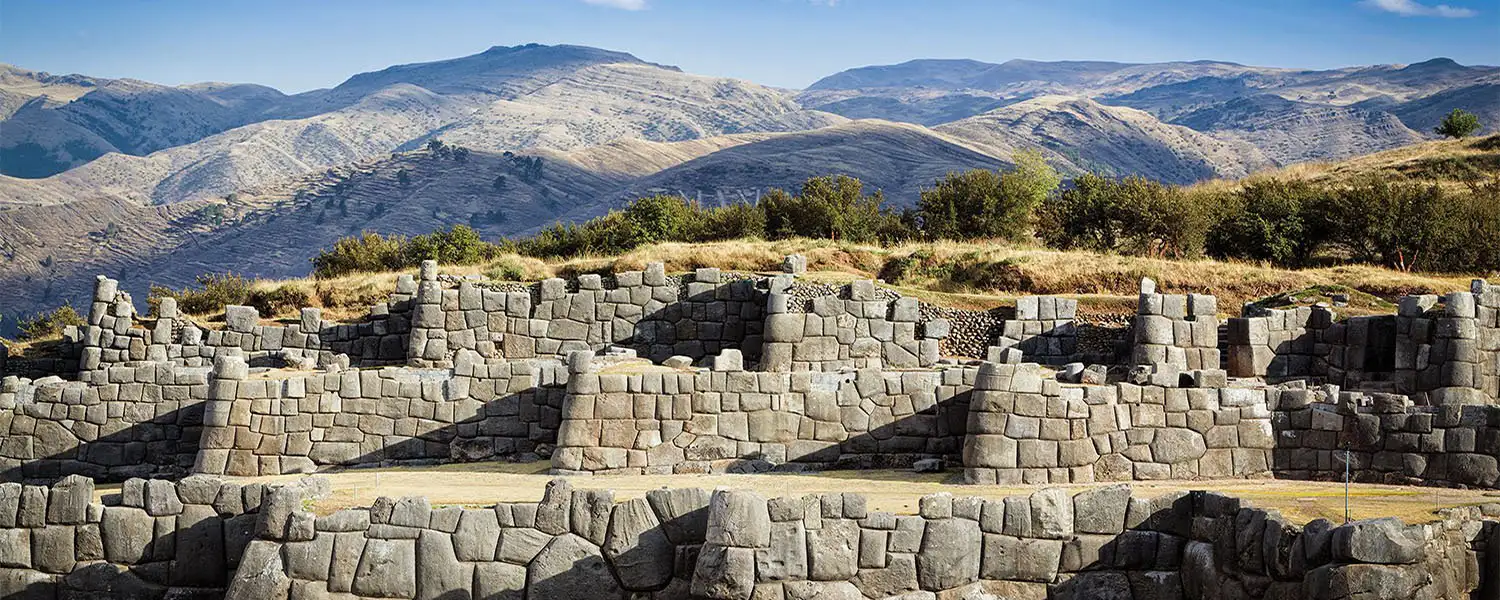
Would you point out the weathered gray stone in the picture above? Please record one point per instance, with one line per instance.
(554, 512)
(638, 547)
(1021, 559)
(440, 575)
(477, 538)
(69, 501)
(160, 498)
(201, 560)
(724, 573)
(499, 581)
(387, 569)
(683, 513)
(570, 567)
(1101, 510)
(1382, 541)
(262, 574)
(833, 550)
(127, 534)
(738, 519)
(947, 558)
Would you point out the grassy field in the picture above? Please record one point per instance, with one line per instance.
(956, 274)
(482, 484)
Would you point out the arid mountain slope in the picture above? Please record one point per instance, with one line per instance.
(1292, 132)
(1078, 135)
(521, 98)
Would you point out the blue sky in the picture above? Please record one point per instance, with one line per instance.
(296, 45)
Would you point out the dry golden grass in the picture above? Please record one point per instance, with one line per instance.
(1428, 162)
(482, 484)
(977, 275)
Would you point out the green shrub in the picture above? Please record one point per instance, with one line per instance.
(279, 301)
(1458, 124)
(49, 324)
(1277, 221)
(368, 252)
(213, 293)
(987, 204)
(460, 245)
(1133, 216)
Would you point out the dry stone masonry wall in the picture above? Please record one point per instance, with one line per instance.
(154, 539)
(665, 420)
(1176, 329)
(1444, 352)
(205, 538)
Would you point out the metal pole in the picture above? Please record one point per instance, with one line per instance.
(1346, 484)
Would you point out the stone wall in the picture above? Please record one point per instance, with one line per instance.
(1176, 329)
(130, 421)
(1026, 428)
(1440, 353)
(111, 337)
(675, 544)
(1043, 330)
(479, 409)
(652, 419)
(155, 539)
(855, 330)
(1384, 439)
(657, 315)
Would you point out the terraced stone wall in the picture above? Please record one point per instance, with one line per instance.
(155, 539)
(479, 409)
(128, 421)
(656, 315)
(652, 419)
(736, 545)
(111, 337)
(856, 330)
(1384, 438)
(1440, 353)
(1180, 330)
(1026, 428)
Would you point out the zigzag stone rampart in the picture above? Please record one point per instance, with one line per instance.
(206, 538)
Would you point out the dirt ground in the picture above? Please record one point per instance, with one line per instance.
(887, 490)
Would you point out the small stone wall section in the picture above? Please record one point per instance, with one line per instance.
(1024, 428)
(1439, 353)
(664, 420)
(130, 422)
(1043, 330)
(853, 331)
(477, 410)
(647, 311)
(1176, 329)
(155, 539)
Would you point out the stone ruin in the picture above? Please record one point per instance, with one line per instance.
(649, 373)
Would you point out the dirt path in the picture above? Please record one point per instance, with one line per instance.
(894, 491)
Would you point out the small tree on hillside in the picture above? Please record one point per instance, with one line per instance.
(403, 177)
(1458, 124)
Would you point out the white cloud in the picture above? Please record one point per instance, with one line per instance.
(1412, 8)
(620, 4)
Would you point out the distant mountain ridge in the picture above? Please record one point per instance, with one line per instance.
(149, 182)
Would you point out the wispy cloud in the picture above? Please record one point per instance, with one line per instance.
(620, 4)
(1412, 8)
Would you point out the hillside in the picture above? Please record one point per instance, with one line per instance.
(1079, 135)
(526, 97)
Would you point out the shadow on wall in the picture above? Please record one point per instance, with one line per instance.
(163, 445)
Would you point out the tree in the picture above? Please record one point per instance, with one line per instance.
(403, 177)
(1458, 124)
(499, 183)
(435, 145)
(987, 204)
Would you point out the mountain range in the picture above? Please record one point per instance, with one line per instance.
(157, 184)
